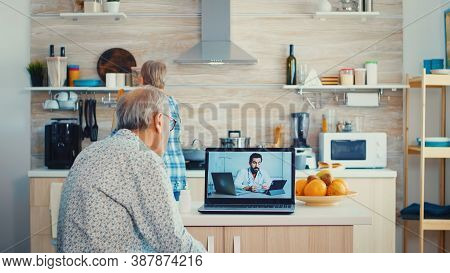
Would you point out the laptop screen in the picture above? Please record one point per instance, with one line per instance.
(249, 175)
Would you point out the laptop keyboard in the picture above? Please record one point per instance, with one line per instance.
(259, 206)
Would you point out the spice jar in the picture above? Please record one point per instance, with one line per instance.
(360, 76)
(347, 77)
(339, 127)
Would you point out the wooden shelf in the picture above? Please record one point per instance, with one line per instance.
(436, 152)
(84, 89)
(343, 15)
(412, 149)
(431, 80)
(98, 15)
(430, 152)
(336, 88)
(436, 224)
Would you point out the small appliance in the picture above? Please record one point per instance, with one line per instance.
(299, 128)
(62, 143)
(305, 158)
(354, 150)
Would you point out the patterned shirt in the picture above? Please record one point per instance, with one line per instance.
(173, 157)
(118, 198)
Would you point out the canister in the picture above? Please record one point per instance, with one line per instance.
(372, 72)
(347, 77)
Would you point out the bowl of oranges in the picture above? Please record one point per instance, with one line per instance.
(322, 189)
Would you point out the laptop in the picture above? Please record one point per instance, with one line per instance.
(224, 184)
(249, 167)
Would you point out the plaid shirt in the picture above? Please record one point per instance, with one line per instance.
(173, 157)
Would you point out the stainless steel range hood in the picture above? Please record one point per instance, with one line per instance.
(216, 46)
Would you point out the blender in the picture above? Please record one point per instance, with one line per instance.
(305, 158)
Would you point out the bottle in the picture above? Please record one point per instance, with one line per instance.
(291, 67)
(52, 51)
(324, 124)
(63, 51)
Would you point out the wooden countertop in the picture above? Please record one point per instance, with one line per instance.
(348, 213)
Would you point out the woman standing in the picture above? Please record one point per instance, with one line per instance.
(153, 73)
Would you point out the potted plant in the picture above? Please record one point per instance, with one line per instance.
(112, 6)
(37, 71)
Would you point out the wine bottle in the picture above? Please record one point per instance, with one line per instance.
(63, 52)
(291, 67)
(52, 51)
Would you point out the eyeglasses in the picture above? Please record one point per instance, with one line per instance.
(173, 122)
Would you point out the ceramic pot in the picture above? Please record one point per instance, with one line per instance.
(324, 6)
(112, 7)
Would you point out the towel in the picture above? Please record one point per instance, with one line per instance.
(363, 99)
(55, 197)
(432, 211)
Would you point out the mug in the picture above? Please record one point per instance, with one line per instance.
(51, 105)
(62, 96)
(120, 80)
(185, 201)
(73, 96)
(68, 105)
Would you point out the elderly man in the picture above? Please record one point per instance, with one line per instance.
(117, 196)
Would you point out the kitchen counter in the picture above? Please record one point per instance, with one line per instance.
(353, 173)
(347, 213)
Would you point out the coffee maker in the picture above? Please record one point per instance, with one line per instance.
(305, 158)
(62, 143)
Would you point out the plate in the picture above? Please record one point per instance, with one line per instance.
(435, 141)
(321, 201)
(87, 83)
(115, 60)
(440, 71)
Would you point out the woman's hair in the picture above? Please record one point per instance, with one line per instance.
(153, 73)
(135, 110)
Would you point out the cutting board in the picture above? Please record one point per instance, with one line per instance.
(115, 60)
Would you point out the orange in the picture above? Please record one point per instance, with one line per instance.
(337, 188)
(300, 186)
(322, 173)
(342, 181)
(316, 188)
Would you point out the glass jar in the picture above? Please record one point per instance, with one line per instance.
(347, 77)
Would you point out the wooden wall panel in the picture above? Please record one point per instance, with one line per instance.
(257, 105)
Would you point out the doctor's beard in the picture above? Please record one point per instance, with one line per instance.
(255, 170)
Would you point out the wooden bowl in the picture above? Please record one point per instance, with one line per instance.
(321, 201)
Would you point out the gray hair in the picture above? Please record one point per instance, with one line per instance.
(135, 109)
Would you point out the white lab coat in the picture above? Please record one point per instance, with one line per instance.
(245, 178)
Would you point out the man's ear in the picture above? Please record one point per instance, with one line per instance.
(158, 122)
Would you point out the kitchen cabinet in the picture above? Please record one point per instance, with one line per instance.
(310, 239)
(375, 194)
(276, 239)
(40, 221)
(210, 237)
(245, 240)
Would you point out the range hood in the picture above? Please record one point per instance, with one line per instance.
(216, 46)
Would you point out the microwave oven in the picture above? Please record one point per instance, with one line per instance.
(354, 150)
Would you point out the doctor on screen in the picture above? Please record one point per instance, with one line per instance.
(253, 178)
